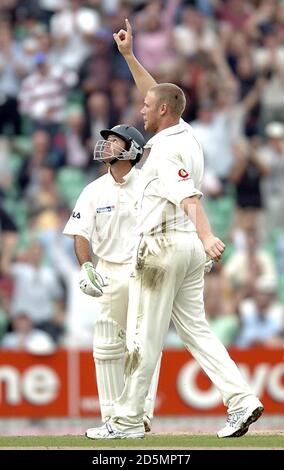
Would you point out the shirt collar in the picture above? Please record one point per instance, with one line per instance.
(177, 129)
(126, 178)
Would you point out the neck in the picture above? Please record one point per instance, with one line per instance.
(120, 169)
(167, 122)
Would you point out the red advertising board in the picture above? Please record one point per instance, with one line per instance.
(185, 389)
(33, 386)
(63, 384)
(89, 400)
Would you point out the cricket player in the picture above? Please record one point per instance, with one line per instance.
(175, 237)
(102, 224)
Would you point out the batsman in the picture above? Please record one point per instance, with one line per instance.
(102, 224)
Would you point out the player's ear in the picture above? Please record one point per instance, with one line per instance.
(163, 109)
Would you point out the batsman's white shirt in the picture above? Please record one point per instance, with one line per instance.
(172, 172)
(105, 214)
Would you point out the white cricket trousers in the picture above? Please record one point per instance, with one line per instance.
(168, 284)
(113, 305)
(114, 302)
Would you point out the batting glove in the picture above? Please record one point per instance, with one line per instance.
(90, 281)
(208, 265)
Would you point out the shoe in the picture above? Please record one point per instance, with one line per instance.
(238, 423)
(147, 423)
(107, 431)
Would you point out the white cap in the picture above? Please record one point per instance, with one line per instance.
(275, 130)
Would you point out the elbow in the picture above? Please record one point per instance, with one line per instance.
(190, 200)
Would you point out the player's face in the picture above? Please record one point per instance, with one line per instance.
(150, 113)
(114, 147)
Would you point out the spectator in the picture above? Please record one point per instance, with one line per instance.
(28, 173)
(272, 157)
(25, 337)
(95, 73)
(43, 94)
(37, 290)
(247, 174)
(261, 316)
(75, 148)
(72, 30)
(248, 263)
(12, 69)
(98, 117)
(211, 129)
(220, 310)
(153, 41)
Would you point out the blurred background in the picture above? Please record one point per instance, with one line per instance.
(61, 81)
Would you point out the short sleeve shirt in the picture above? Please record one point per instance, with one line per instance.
(105, 214)
(173, 172)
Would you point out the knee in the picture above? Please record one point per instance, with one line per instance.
(109, 340)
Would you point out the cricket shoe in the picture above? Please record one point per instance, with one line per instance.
(147, 423)
(107, 431)
(238, 423)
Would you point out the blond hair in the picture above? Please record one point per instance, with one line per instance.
(172, 96)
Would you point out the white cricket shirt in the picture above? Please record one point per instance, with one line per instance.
(105, 214)
(172, 172)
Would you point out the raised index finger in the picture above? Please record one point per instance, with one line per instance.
(128, 26)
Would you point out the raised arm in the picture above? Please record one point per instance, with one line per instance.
(144, 81)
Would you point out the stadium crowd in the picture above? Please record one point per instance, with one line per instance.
(62, 80)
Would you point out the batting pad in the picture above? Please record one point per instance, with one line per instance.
(109, 356)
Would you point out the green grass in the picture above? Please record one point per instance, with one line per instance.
(166, 441)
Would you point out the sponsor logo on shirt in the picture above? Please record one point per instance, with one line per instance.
(100, 210)
(183, 174)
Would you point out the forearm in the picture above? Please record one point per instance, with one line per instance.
(193, 208)
(213, 246)
(82, 249)
(143, 80)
